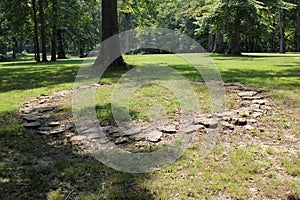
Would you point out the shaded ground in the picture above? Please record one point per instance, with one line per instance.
(261, 164)
(55, 166)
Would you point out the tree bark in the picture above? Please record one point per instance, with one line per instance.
(36, 33)
(61, 50)
(110, 27)
(219, 43)
(234, 46)
(235, 42)
(43, 31)
(54, 31)
(281, 28)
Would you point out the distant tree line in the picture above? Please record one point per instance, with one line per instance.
(61, 27)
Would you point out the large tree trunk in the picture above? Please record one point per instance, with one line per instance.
(36, 34)
(43, 31)
(234, 46)
(54, 31)
(219, 46)
(235, 42)
(109, 29)
(61, 49)
(281, 28)
(298, 28)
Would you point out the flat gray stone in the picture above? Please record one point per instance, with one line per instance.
(252, 89)
(96, 85)
(78, 138)
(131, 131)
(35, 124)
(247, 94)
(260, 102)
(45, 128)
(193, 128)
(263, 107)
(90, 130)
(231, 85)
(25, 110)
(207, 122)
(42, 101)
(251, 98)
(138, 137)
(112, 130)
(53, 124)
(43, 132)
(57, 131)
(154, 136)
(31, 118)
(258, 110)
(95, 136)
(249, 127)
(116, 135)
(255, 106)
(169, 129)
(46, 109)
(121, 140)
(222, 115)
(252, 121)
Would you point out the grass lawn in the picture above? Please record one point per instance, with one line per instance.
(264, 165)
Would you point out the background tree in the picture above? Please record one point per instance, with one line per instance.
(42, 30)
(54, 30)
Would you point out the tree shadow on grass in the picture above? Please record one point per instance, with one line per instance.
(35, 166)
(287, 78)
(284, 79)
(31, 75)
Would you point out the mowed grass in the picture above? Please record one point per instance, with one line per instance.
(233, 169)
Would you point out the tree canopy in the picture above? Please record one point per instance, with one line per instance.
(75, 27)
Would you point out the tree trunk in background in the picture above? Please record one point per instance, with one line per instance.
(235, 37)
(281, 27)
(81, 49)
(219, 43)
(251, 44)
(54, 31)
(43, 31)
(20, 47)
(298, 28)
(235, 43)
(15, 48)
(110, 27)
(126, 26)
(61, 50)
(36, 33)
(210, 42)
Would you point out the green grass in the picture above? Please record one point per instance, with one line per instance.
(234, 170)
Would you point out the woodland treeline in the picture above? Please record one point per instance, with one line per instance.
(74, 27)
